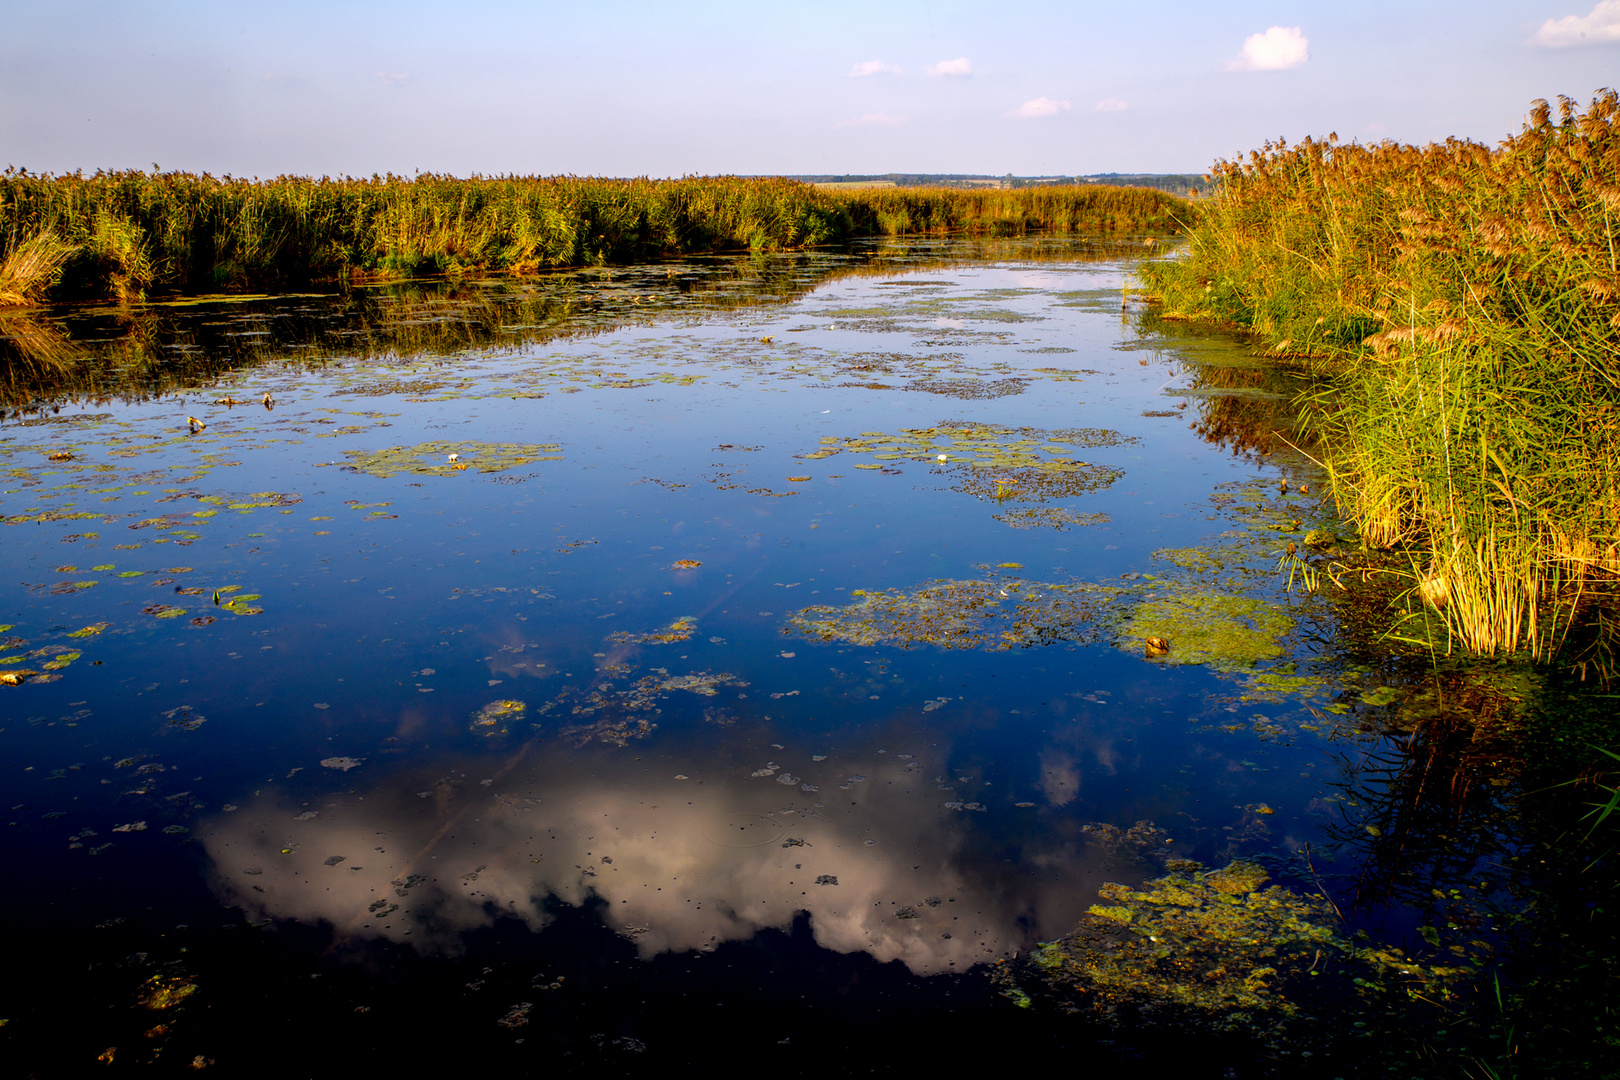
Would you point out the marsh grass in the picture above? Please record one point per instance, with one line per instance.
(127, 234)
(32, 267)
(1459, 306)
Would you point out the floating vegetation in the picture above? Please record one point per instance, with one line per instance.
(627, 712)
(1049, 517)
(994, 615)
(418, 387)
(432, 458)
(969, 389)
(165, 991)
(679, 630)
(1031, 464)
(493, 718)
(1229, 633)
(702, 683)
(1218, 952)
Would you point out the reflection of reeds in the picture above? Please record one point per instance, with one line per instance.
(28, 345)
(1463, 306)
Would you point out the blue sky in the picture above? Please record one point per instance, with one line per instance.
(623, 88)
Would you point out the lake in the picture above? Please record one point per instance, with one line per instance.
(724, 660)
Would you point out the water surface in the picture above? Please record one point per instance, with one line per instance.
(634, 666)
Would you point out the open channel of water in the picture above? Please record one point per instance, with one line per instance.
(630, 667)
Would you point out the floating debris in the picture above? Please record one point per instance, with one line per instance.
(343, 764)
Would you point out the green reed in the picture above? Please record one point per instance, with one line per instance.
(126, 234)
(1460, 305)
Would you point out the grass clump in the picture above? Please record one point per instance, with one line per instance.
(1460, 305)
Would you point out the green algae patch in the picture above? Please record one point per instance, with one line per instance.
(1195, 560)
(448, 458)
(994, 615)
(1119, 914)
(1229, 633)
(1224, 953)
(1049, 517)
(993, 461)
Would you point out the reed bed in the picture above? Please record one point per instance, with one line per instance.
(1460, 304)
(1085, 208)
(127, 234)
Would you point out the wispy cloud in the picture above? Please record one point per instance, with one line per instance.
(872, 67)
(872, 119)
(1112, 104)
(1278, 49)
(392, 78)
(1599, 26)
(1041, 106)
(960, 68)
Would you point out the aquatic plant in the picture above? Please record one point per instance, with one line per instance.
(996, 615)
(1223, 953)
(31, 267)
(435, 458)
(1459, 305)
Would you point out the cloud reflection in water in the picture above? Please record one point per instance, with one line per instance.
(680, 864)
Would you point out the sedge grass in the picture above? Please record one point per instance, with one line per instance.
(1460, 305)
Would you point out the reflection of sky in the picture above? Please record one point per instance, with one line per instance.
(681, 864)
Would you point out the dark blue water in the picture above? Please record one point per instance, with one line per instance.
(381, 760)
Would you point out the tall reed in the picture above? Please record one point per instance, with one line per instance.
(127, 233)
(1461, 304)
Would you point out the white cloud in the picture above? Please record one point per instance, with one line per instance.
(1112, 104)
(393, 78)
(873, 119)
(960, 68)
(1278, 49)
(1041, 106)
(872, 67)
(1596, 27)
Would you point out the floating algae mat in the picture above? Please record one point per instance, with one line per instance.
(440, 458)
(1028, 464)
(997, 614)
(1229, 633)
(1225, 952)
(561, 663)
